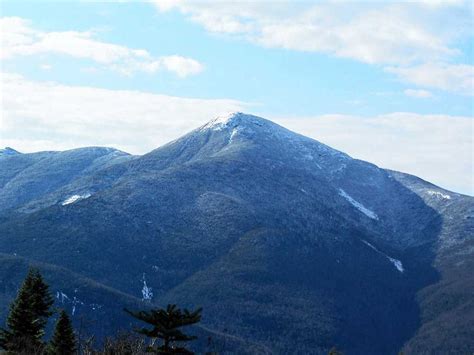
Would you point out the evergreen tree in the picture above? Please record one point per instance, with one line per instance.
(41, 299)
(166, 324)
(28, 316)
(63, 341)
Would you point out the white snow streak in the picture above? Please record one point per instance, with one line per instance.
(439, 195)
(75, 198)
(397, 263)
(358, 205)
(147, 293)
(340, 168)
(61, 296)
(234, 132)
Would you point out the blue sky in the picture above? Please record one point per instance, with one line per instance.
(397, 75)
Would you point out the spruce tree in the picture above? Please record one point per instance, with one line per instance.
(28, 316)
(41, 298)
(166, 324)
(63, 341)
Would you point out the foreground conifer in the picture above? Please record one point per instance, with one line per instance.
(166, 324)
(28, 315)
(64, 340)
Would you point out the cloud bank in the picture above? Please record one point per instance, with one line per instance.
(51, 116)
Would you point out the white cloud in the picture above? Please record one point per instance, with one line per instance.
(182, 66)
(443, 3)
(386, 33)
(420, 94)
(451, 77)
(374, 36)
(406, 35)
(48, 116)
(438, 148)
(19, 38)
(166, 5)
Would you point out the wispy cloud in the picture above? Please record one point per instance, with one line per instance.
(450, 77)
(46, 66)
(420, 94)
(404, 36)
(397, 33)
(19, 38)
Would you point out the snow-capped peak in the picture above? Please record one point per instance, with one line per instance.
(238, 126)
(232, 119)
(227, 117)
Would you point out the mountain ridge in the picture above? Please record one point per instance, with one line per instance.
(272, 232)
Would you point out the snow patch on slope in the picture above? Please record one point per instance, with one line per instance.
(63, 298)
(75, 198)
(147, 293)
(358, 205)
(339, 169)
(221, 121)
(397, 263)
(439, 195)
(232, 135)
(60, 295)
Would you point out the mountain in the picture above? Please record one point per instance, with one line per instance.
(289, 245)
(8, 151)
(29, 178)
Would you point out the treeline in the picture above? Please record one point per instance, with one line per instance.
(29, 313)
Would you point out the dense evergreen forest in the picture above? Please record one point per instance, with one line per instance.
(26, 324)
(29, 313)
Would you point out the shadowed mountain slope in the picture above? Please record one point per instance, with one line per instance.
(289, 245)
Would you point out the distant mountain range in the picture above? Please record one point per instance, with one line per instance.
(290, 246)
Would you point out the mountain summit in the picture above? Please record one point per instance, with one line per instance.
(237, 125)
(8, 151)
(234, 119)
(273, 233)
(238, 137)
